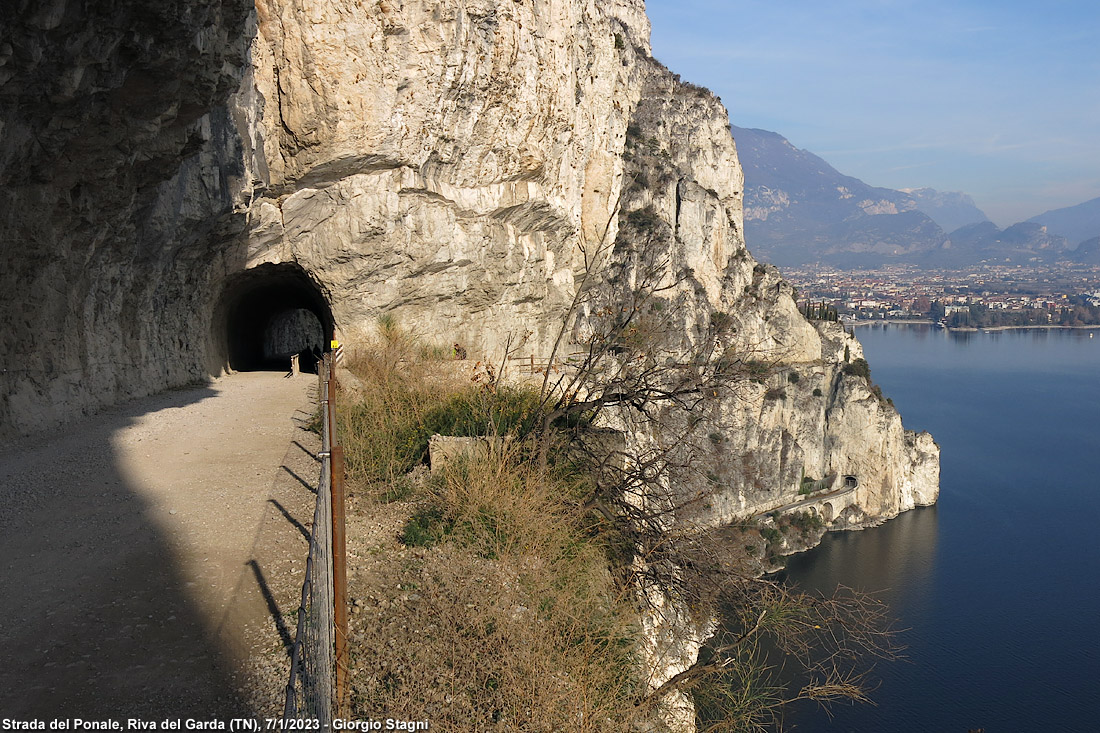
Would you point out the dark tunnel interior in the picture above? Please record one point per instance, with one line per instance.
(269, 313)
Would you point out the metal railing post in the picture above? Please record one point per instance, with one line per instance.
(339, 549)
(340, 581)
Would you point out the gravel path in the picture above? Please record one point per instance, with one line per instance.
(149, 554)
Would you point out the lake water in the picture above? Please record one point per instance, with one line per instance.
(997, 584)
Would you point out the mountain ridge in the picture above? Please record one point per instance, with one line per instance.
(799, 209)
(1076, 223)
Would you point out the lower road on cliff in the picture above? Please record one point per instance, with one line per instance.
(809, 500)
(150, 552)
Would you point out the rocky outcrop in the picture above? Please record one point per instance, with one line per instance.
(177, 181)
(818, 424)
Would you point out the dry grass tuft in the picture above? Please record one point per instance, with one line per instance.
(407, 391)
(507, 620)
(497, 609)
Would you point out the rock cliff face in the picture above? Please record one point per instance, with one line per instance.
(443, 162)
(120, 171)
(178, 183)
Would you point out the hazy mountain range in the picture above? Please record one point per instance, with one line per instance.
(1075, 223)
(799, 209)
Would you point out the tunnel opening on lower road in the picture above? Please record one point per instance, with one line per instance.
(269, 313)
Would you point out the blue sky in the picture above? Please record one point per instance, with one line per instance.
(997, 99)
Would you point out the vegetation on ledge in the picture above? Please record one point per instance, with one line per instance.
(514, 587)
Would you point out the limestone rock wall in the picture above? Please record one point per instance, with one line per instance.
(807, 418)
(120, 165)
(800, 414)
(795, 411)
(444, 162)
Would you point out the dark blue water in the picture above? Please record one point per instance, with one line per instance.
(998, 585)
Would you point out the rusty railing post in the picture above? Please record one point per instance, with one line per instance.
(339, 552)
(340, 581)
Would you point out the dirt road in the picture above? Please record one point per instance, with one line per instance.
(149, 554)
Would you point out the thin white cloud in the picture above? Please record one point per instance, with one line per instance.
(912, 166)
(880, 149)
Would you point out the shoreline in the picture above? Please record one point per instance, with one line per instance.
(891, 322)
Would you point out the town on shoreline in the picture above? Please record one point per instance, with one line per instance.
(986, 297)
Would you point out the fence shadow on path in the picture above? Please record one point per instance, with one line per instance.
(101, 621)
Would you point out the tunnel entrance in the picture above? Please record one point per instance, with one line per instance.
(269, 313)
